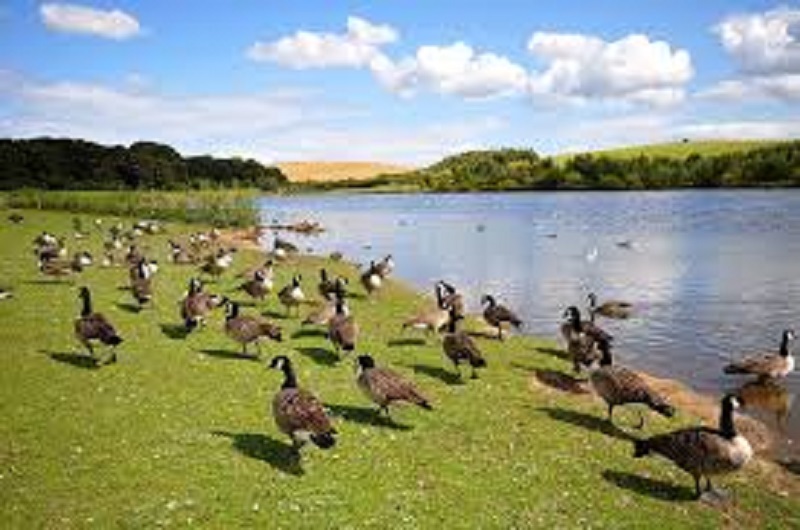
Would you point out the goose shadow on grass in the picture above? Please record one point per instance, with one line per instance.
(587, 421)
(49, 282)
(129, 307)
(174, 331)
(77, 360)
(406, 341)
(280, 455)
(437, 372)
(321, 356)
(305, 332)
(657, 489)
(271, 313)
(229, 354)
(365, 416)
(561, 381)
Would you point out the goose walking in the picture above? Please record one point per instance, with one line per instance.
(91, 326)
(616, 309)
(343, 329)
(292, 295)
(497, 315)
(461, 348)
(246, 329)
(298, 413)
(384, 386)
(703, 452)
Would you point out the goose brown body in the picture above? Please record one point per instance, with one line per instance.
(767, 365)
(459, 347)
(91, 326)
(298, 413)
(246, 329)
(702, 451)
(616, 309)
(342, 329)
(291, 296)
(497, 315)
(384, 386)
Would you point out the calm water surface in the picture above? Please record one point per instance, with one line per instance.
(714, 274)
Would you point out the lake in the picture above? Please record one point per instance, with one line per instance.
(713, 274)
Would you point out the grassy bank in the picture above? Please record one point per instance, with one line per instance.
(676, 149)
(220, 208)
(179, 433)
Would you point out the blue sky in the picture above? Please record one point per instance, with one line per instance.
(396, 80)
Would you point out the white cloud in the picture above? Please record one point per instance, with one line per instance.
(356, 48)
(73, 18)
(634, 69)
(763, 43)
(455, 69)
(277, 125)
(766, 49)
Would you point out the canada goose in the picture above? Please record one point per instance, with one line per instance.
(768, 365)
(497, 315)
(298, 413)
(217, 264)
(322, 314)
(134, 255)
(83, 259)
(58, 268)
(16, 218)
(258, 287)
(246, 329)
(91, 326)
(619, 386)
(459, 347)
(616, 309)
(141, 283)
(6, 293)
(292, 295)
(180, 255)
(46, 239)
(342, 329)
(574, 324)
(331, 288)
(197, 304)
(371, 280)
(385, 266)
(384, 386)
(282, 249)
(431, 319)
(450, 297)
(582, 351)
(267, 269)
(703, 451)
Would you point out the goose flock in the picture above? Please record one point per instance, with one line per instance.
(703, 452)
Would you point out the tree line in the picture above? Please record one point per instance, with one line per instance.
(775, 165)
(61, 164)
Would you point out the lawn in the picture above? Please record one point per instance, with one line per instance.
(179, 432)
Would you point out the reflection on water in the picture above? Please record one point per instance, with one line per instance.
(714, 274)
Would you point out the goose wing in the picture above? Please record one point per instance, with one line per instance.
(388, 385)
(755, 364)
(298, 409)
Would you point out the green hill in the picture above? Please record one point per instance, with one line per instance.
(682, 149)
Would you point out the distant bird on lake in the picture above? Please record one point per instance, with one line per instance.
(616, 309)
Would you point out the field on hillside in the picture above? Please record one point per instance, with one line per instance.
(677, 149)
(179, 432)
(333, 171)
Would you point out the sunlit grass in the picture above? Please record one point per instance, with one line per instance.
(178, 432)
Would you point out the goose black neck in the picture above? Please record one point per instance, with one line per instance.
(577, 322)
(87, 304)
(289, 379)
(233, 311)
(726, 425)
(605, 355)
(784, 351)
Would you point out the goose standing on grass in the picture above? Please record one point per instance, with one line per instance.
(298, 413)
(384, 386)
(6, 293)
(575, 325)
(433, 319)
(197, 305)
(16, 218)
(450, 297)
(385, 267)
(321, 315)
(246, 329)
(283, 249)
(141, 283)
(58, 269)
(331, 288)
(616, 309)
(371, 279)
(497, 315)
(767, 365)
(91, 326)
(620, 386)
(460, 347)
(703, 452)
(216, 264)
(343, 329)
(292, 295)
(258, 287)
(180, 255)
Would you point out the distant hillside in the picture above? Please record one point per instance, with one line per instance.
(337, 171)
(682, 149)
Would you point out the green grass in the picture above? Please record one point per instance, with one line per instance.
(677, 149)
(178, 432)
(217, 207)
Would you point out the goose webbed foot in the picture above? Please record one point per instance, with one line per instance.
(641, 421)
